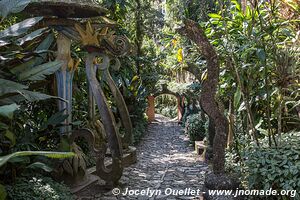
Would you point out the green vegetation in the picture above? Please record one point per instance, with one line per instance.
(195, 127)
(38, 187)
(265, 167)
(258, 53)
(166, 105)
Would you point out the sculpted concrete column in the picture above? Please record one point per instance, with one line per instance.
(180, 102)
(64, 79)
(151, 109)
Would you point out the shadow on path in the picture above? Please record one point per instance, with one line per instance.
(166, 164)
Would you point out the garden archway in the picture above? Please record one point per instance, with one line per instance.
(151, 104)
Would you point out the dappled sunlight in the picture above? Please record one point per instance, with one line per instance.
(124, 99)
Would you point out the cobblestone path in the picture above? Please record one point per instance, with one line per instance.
(166, 164)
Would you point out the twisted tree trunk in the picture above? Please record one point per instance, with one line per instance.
(194, 69)
(209, 89)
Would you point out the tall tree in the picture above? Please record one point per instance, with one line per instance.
(138, 33)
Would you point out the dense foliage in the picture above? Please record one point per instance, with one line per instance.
(257, 43)
(196, 127)
(38, 187)
(265, 167)
(166, 105)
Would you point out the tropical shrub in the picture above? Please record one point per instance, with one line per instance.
(139, 129)
(168, 111)
(195, 127)
(187, 112)
(137, 104)
(277, 168)
(27, 124)
(269, 167)
(166, 105)
(38, 187)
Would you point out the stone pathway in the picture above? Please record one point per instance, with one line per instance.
(166, 164)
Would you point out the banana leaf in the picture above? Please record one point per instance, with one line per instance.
(36, 96)
(12, 6)
(40, 165)
(31, 36)
(8, 110)
(7, 86)
(19, 28)
(49, 154)
(40, 72)
(41, 50)
(19, 93)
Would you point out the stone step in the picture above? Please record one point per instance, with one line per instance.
(90, 179)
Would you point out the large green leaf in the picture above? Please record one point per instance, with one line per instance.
(49, 154)
(21, 94)
(28, 96)
(214, 15)
(8, 110)
(43, 46)
(20, 28)
(31, 36)
(55, 119)
(237, 97)
(11, 136)
(26, 65)
(46, 43)
(12, 6)
(261, 54)
(3, 193)
(40, 72)
(39, 165)
(7, 86)
(35, 96)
